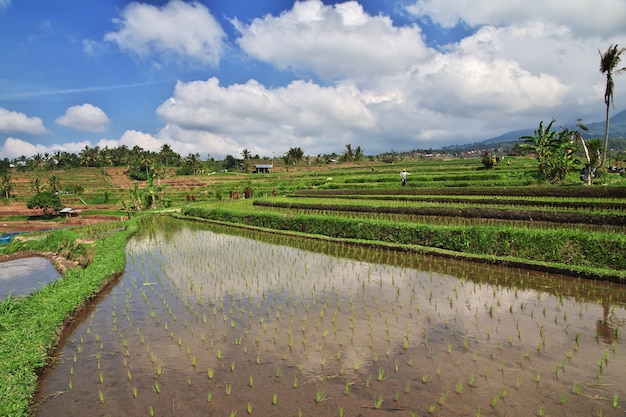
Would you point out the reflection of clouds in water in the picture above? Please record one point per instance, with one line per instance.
(361, 307)
(23, 276)
(231, 266)
(21, 267)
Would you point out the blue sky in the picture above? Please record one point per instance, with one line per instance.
(215, 77)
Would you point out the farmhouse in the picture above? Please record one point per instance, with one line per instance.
(262, 168)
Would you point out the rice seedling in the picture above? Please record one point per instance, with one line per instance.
(381, 375)
(320, 397)
(378, 402)
(443, 395)
(542, 411)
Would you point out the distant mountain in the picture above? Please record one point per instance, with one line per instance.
(617, 129)
(511, 136)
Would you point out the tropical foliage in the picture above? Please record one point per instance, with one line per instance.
(555, 151)
(6, 186)
(46, 200)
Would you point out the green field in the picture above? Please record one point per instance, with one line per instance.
(450, 208)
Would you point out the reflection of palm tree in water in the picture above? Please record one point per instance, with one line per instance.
(606, 327)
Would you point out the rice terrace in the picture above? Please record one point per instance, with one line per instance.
(332, 291)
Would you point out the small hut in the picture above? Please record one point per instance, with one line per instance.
(70, 212)
(262, 168)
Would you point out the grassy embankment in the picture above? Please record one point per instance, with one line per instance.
(30, 326)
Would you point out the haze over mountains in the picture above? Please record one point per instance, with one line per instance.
(617, 129)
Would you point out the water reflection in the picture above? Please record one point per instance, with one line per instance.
(199, 311)
(23, 276)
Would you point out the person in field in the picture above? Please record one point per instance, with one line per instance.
(403, 175)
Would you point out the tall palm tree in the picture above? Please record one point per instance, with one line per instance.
(608, 65)
(6, 185)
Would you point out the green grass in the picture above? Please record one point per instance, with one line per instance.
(29, 327)
(572, 250)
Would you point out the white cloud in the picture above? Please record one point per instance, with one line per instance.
(332, 41)
(85, 117)
(584, 17)
(350, 77)
(14, 148)
(132, 138)
(264, 120)
(4, 4)
(186, 31)
(11, 121)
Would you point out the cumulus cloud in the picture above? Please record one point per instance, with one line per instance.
(132, 138)
(246, 113)
(332, 41)
(14, 148)
(12, 121)
(85, 117)
(346, 76)
(585, 18)
(186, 31)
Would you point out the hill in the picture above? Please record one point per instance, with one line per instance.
(617, 129)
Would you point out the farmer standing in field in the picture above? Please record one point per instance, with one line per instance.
(403, 175)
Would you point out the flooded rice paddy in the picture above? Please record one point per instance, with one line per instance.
(21, 277)
(206, 323)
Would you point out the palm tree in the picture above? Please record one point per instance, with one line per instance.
(54, 183)
(295, 155)
(37, 185)
(6, 185)
(608, 65)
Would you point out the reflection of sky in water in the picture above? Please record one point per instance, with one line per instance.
(23, 276)
(191, 294)
(224, 270)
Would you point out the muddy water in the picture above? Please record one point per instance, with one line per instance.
(214, 324)
(23, 276)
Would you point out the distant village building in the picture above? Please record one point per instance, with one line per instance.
(262, 168)
(70, 212)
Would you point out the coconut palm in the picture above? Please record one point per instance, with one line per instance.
(608, 65)
(54, 183)
(6, 185)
